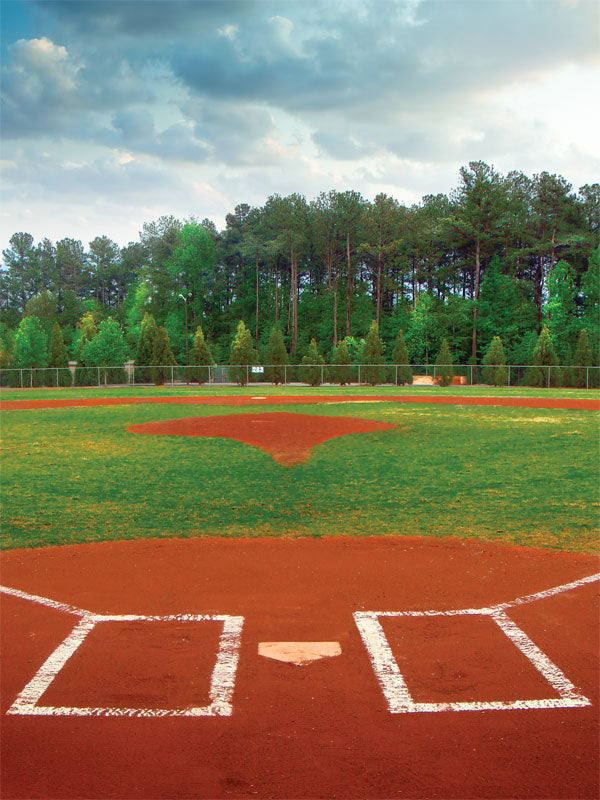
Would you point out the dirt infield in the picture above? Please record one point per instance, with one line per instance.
(593, 404)
(467, 670)
(288, 438)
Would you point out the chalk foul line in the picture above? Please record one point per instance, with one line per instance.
(223, 676)
(395, 689)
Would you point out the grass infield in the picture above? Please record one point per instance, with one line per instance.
(522, 476)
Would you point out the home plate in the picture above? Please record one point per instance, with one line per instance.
(298, 653)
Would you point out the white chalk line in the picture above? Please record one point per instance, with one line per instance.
(222, 680)
(222, 683)
(395, 689)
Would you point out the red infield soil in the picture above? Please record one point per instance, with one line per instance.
(288, 438)
(323, 730)
(593, 404)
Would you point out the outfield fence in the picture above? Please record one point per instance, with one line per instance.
(311, 374)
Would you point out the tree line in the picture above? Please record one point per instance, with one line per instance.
(501, 256)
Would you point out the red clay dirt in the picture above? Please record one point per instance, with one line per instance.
(317, 731)
(288, 438)
(581, 404)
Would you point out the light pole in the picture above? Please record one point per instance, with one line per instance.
(186, 331)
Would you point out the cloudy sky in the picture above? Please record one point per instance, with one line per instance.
(116, 112)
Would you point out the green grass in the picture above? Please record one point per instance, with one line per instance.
(294, 389)
(512, 475)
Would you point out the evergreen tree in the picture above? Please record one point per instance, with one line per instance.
(494, 371)
(85, 375)
(108, 350)
(311, 373)
(444, 365)
(372, 353)
(583, 359)
(145, 349)
(242, 352)
(31, 349)
(200, 357)
(58, 356)
(275, 357)
(567, 374)
(341, 373)
(162, 357)
(562, 310)
(544, 359)
(400, 357)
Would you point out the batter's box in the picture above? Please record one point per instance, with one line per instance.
(172, 630)
(393, 679)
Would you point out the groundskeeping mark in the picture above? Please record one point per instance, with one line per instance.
(395, 689)
(222, 680)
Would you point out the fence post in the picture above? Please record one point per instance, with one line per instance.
(98, 368)
(587, 377)
(172, 376)
(21, 371)
(247, 374)
(284, 374)
(322, 374)
(549, 371)
(396, 375)
(509, 374)
(359, 374)
(57, 377)
(30, 378)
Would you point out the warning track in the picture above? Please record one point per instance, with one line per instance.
(593, 404)
(424, 625)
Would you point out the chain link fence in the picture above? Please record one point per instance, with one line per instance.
(309, 374)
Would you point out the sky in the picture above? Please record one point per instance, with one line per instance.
(115, 112)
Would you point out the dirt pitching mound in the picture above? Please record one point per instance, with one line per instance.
(288, 438)
(122, 657)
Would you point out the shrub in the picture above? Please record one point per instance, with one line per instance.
(242, 352)
(340, 373)
(200, 357)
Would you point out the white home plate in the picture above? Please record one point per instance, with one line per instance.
(298, 653)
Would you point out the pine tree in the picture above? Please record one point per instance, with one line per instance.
(340, 373)
(583, 359)
(31, 349)
(275, 357)
(494, 371)
(544, 358)
(162, 357)
(108, 350)
(85, 375)
(200, 357)
(58, 356)
(372, 353)
(444, 369)
(242, 352)
(145, 348)
(311, 373)
(400, 357)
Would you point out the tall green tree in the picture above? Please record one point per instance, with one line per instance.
(544, 371)
(242, 353)
(58, 356)
(145, 348)
(107, 350)
(340, 373)
(276, 357)
(563, 322)
(311, 373)
(372, 354)
(31, 344)
(444, 365)
(200, 357)
(495, 371)
(403, 373)
(162, 357)
(583, 359)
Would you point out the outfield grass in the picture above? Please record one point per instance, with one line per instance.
(514, 475)
(293, 389)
